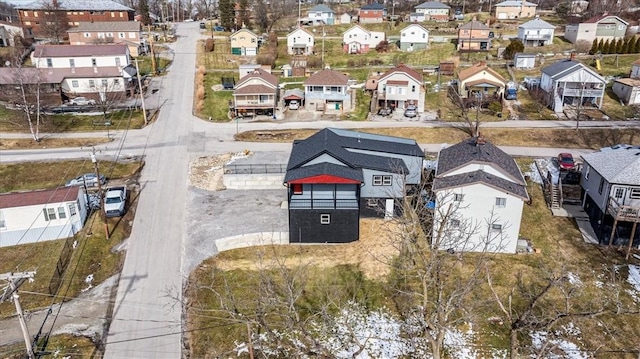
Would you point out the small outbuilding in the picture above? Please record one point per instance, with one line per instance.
(524, 61)
(627, 90)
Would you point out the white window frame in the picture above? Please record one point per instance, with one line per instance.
(72, 209)
(387, 180)
(634, 193)
(458, 197)
(496, 227)
(376, 180)
(51, 214)
(619, 193)
(62, 214)
(325, 218)
(74, 83)
(501, 202)
(455, 223)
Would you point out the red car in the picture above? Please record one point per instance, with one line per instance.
(565, 161)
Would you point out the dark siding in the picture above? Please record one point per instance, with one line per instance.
(602, 225)
(305, 227)
(378, 211)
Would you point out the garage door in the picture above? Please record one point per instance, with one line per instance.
(236, 51)
(251, 52)
(502, 15)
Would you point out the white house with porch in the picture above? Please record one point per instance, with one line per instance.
(358, 40)
(300, 42)
(571, 83)
(44, 215)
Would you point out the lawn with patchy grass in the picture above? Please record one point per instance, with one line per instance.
(15, 121)
(220, 58)
(67, 346)
(541, 137)
(50, 142)
(39, 175)
(216, 102)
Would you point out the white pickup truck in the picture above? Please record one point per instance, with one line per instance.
(115, 201)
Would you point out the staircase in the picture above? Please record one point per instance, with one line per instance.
(556, 195)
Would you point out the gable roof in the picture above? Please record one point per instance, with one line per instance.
(537, 23)
(86, 26)
(261, 74)
(433, 5)
(354, 27)
(339, 143)
(78, 5)
(42, 197)
(79, 50)
(597, 19)
(300, 29)
(374, 6)
(467, 151)
(320, 8)
(415, 25)
(32, 75)
(474, 25)
(515, 3)
(479, 176)
(629, 82)
(476, 68)
(562, 68)
(327, 77)
(336, 170)
(618, 166)
(244, 29)
(402, 68)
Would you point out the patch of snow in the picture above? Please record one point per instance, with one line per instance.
(555, 346)
(599, 284)
(533, 174)
(88, 280)
(574, 279)
(634, 277)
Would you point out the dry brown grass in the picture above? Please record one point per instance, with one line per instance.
(372, 253)
(541, 137)
(24, 143)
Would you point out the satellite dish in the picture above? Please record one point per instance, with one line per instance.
(7, 63)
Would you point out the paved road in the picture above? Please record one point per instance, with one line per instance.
(146, 322)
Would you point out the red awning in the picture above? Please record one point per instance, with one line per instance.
(324, 179)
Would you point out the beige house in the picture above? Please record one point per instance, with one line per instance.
(474, 35)
(256, 94)
(515, 9)
(480, 78)
(244, 42)
(605, 27)
(107, 32)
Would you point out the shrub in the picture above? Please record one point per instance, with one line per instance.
(266, 59)
(583, 46)
(314, 62)
(495, 106)
(209, 45)
(383, 46)
(200, 92)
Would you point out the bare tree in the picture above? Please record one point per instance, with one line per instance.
(55, 22)
(27, 93)
(468, 125)
(110, 92)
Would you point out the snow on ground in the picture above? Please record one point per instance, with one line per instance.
(574, 279)
(555, 345)
(533, 174)
(634, 280)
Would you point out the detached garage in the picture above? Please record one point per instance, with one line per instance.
(524, 61)
(628, 91)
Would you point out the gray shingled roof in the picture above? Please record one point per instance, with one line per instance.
(340, 145)
(620, 166)
(374, 6)
(77, 5)
(467, 151)
(320, 8)
(537, 24)
(474, 25)
(433, 5)
(479, 176)
(515, 3)
(565, 67)
(324, 168)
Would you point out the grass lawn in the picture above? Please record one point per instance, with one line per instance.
(543, 137)
(144, 64)
(48, 142)
(216, 103)
(613, 108)
(66, 345)
(38, 175)
(15, 121)
(338, 273)
(531, 109)
(220, 58)
(614, 65)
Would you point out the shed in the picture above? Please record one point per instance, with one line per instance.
(627, 90)
(345, 18)
(447, 68)
(524, 61)
(293, 94)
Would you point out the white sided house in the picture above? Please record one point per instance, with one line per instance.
(536, 32)
(300, 42)
(77, 56)
(45, 215)
(570, 82)
(479, 196)
(414, 37)
(399, 87)
(358, 40)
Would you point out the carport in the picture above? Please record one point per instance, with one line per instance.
(293, 94)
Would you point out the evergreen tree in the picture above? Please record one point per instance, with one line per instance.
(227, 12)
(618, 46)
(143, 9)
(637, 46)
(600, 46)
(625, 45)
(594, 47)
(606, 49)
(514, 47)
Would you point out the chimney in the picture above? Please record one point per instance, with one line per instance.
(572, 57)
(480, 141)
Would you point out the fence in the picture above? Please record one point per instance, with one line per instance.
(254, 168)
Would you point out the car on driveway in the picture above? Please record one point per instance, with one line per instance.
(385, 111)
(565, 161)
(218, 28)
(81, 101)
(202, 25)
(88, 179)
(411, 111)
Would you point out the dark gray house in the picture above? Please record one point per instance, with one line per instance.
(335, 175)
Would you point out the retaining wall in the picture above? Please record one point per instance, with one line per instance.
(254, 181)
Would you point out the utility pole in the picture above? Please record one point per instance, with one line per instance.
(15, 281)
(144, 110)
(102, 211)
(153, 55)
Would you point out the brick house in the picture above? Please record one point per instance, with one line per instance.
(372, 13)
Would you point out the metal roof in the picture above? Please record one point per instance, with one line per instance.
(515, 3)
(537, 24)
(565, 67)
(42, 51)
(433, 5)
(320, 8)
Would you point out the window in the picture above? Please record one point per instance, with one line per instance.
(297, 188)
(109, 34)
(635, 193)
(379, 180)
(325, 219)
(94, 62)
(61, 213)
(72, 209)
(121, 14)
(49, 214)
(455, 223)
(3, 223)
(101, 35)
(92, 83)
(586, 172)
(35, 13)
(105, 83)
(601, 187)
(116, 82)
(121, 35)
(74, 83)
(113, 14)
(458, 197)
(496, 227)
(132, 35)
(413, 88)
(253, 40)
(619, 192)
(72, 63)
(501, 202)
(117, 61)
(49, 62)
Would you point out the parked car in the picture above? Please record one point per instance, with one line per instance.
(202, 25)
(565, 161)
(88, 179)
(294, 105)
(385, 111)
(115, 201)
(81, 101)
(218, 28)
(411, 111)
